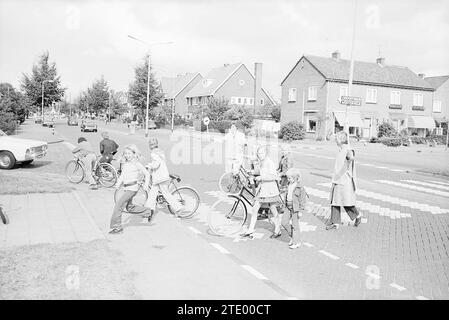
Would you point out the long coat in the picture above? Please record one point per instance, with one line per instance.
(344, 179)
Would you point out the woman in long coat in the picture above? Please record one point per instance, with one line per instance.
(343, 184)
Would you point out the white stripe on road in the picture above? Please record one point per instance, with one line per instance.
(439, 182)
(220, 248)
(426, 184)
(307, 244)
(353, 266)
(330, 255)
(194, 230)
(407, 186)
(422, 298)
(398, 170)
(254, 272)
(394, 200)
(396, 286)
(373, 275)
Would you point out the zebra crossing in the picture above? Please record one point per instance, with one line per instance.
(414, 187)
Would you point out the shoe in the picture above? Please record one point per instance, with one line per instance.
(275, 235)
(331, 226)
(290, 243)
(93, 187)
(294, 246)
(247, 235)
(116, 231)
(151, 216)
(357, 221)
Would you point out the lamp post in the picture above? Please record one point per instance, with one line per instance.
(148, 75)
(43, 83)
(351, 69)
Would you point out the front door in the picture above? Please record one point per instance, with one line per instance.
(366, 130)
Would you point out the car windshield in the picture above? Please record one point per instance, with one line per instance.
(2, 133)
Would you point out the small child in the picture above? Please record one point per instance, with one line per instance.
(296, 199)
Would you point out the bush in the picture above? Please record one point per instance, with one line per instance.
(8, 122)
(386, 129)
(276, 113)
(292, 131)
(221, 126)
(241, 116)
(392, 142)
(439, 139)
(374, 140)
(418, 140)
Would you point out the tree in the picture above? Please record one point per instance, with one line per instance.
(386, 129)
(276, 113)
(98, 96)
(117, 104)
(13, 101)
(138, 89)
(216, 109)
(241, 116)
(31, 84)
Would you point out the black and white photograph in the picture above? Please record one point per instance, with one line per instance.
(248, 152)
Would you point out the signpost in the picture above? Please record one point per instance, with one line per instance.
(349, 101)
(206, 122)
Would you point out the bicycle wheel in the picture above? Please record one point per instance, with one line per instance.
(74, 171)
(190, 200)
(230, 183)
(107, 175)
(3, 216)
(136, 205)
(227, 216)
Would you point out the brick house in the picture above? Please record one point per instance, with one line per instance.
(311, 93)
(175, 90)
(440, 110)
(233, 82)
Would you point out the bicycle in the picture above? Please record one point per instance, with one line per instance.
(104, 173)
(187, 196)
(3, 216)
(232, 182)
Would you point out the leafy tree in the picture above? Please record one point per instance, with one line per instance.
(216, 109)
(8, 120)
(276, 113)
(138, 89)
(98, 96)
(117, 105)
(241, 116)
(13, 101)
(386, 129)
(31, 84)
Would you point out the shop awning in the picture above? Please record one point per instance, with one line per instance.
(354, 119)
(397, 116)
(422, 122)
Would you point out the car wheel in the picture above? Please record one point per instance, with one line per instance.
(7, 160)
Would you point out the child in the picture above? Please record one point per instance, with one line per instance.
(87, 155)
(160, 179)
(131, 169)
(296, 204)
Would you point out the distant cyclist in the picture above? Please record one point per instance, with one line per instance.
(108, 148)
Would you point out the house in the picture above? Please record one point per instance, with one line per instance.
(312, 91)
(440, 109)
(233, 82)
(175, 90)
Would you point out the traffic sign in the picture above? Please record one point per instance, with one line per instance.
(206, 121)
(351, 101)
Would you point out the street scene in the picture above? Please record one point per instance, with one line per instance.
(321, 174)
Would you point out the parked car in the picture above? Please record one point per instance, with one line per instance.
(17, 150)
(72, 121)
(38, 121)
(49, 123)
(151, 125)
(88, 126)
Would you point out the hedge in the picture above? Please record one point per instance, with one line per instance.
(293, 130)
(392, 141)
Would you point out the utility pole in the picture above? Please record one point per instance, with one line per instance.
(351, 69)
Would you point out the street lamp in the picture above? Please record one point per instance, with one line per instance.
(43, 82)
(148, 76)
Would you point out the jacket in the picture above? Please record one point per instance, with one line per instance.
(83, 148)
(299, 199)
(344, 170)
(158, 167)
(108, 146)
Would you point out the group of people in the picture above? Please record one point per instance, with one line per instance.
(281, 186)
(155, 174)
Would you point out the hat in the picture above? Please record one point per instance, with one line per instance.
(81, 139)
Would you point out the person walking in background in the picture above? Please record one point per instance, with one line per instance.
(108, 148)
(295, 203)
(86, 153)
(235, 143)
(160, 179)
(343, 184)
(267, 193)
(131, 170)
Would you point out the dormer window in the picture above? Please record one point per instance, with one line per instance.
(241, 82)
(207, 82)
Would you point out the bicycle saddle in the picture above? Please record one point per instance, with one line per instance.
(175, 176)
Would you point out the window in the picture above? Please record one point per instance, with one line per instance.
(437, 106)
(343, 92)
(310, 123)
(207, 82)
(244, 101)
(233, 99)
(371, 95)
(251, 101)
(292, 95)
(312, 94)
(262, 102)
(418, 100)
(241, 82)
(239, 100)
(395, 98)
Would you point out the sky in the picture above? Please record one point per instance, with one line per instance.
(89, 39)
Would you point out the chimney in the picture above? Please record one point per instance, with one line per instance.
(380, 61)
(336, 55)
(257, 85)
(421, 75)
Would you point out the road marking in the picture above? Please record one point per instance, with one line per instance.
(330, 255)
(439, 182)
(407, 186)
(254, 272)
(194, 230)
(396, 286)
(350, 265)
(373, 275)
(422, 298)
(220, 248)
(426, 184)
(398, 170)
(307, 244)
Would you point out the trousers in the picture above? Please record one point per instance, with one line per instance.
(293, 229)
(163, 189)
(336, 214)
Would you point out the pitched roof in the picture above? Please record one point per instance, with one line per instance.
(436, 82)
(366, 73)
(173, 86)
(213, 80)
